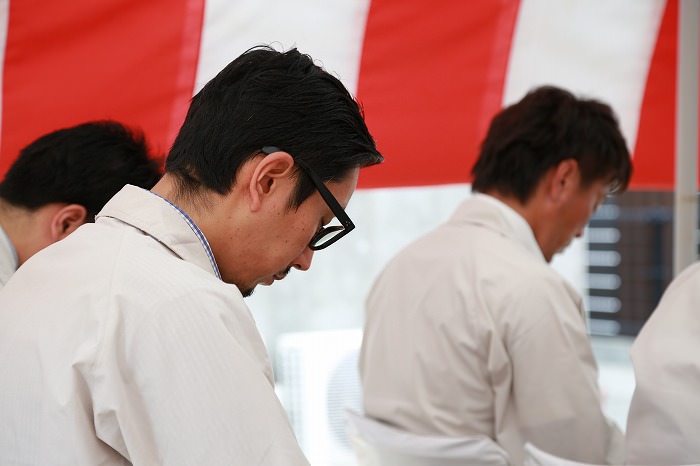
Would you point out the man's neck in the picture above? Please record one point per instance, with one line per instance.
(24, 228)
(11, 219)
(512, 202)
(531, 211)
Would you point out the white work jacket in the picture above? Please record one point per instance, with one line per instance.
(8, 258)
(470, 332)
(119, 345)
(663, 425)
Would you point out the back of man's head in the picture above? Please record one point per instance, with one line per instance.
(85, 164)
(547, 126)
(270, 98)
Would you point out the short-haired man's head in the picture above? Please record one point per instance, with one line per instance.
(270, 98)
(547, 126)
(85, 164)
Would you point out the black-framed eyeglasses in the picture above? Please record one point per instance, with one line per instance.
(326, 235)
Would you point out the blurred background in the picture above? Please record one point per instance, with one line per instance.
(430, 75)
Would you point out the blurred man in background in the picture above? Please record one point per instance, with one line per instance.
(469, 332)
(61, 180)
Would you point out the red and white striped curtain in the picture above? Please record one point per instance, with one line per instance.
(430, 75)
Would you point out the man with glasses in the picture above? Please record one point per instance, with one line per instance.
(326, 235)
(130, 341)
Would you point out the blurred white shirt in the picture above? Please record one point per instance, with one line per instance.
(663, 426)
(8, 258)
(469, 331)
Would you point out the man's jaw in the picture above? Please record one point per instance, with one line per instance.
(268, 281)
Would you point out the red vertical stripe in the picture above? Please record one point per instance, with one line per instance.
(431, 78)
(654, 153)
(71, 61)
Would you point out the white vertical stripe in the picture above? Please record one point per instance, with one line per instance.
(4, 22)
(599, 49)
(331, 32)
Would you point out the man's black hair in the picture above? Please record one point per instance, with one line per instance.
(547, 126)
(85, 164)
(270, 98)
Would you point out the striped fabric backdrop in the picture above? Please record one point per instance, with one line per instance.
(430, 75)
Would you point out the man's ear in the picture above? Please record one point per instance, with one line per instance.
(267, 175)
(564, 178)
(66, 219)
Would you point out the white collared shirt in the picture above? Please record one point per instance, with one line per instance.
(469, 332)
(663, 426)
(119, 345)
(519, 227)
(8, 258)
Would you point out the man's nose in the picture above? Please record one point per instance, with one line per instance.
(303, 261)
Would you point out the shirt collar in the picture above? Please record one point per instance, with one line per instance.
(521, 230)
(164, 221)
(8, 254)
(200, 236)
